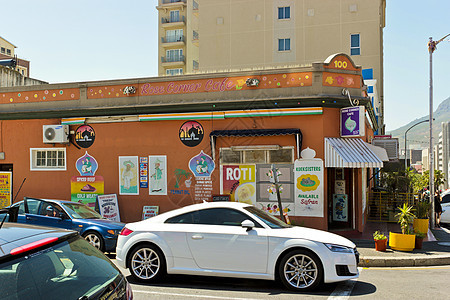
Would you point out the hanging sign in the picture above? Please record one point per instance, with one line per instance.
(143, 172)
(309, 183)
(353, 121)
(191, 133)
(5, 189)
(109, 208)
(85, 136)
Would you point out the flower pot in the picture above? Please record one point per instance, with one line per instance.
(380, 245)
(402, 242)
(419, 241)
(420, 225)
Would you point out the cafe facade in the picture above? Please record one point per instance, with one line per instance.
(156, 144)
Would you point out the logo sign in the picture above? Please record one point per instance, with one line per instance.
(202, 165)
(352, 121)
(191, 133)
(86, 165)
(85, 136)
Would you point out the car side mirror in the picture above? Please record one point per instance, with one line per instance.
(248, 224)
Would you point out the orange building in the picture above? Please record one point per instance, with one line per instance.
(166, 142)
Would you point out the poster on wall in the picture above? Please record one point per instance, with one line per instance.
(158, 175)
(86, 189)
(353, 121)
(340, 207)
(239, 181)
(108, 206)
(149, 211)
(143, 172)
(128, 175)
(202, 167)
(5, 189)
(308, 181)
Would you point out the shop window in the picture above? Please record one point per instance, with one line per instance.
(355, 44)
(284, 44)
(53, 159)
(284, 12)
(256, 156)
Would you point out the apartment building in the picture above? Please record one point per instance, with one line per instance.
(225, 35)
(443, 153)
(7, 51)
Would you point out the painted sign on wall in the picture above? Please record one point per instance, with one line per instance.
(309, 185)
(5, 189)
(239, 181)
(128, 175)
(353, 121)
(85, 189)
(158, 174)
(109, 207)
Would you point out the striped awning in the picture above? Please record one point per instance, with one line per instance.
(350, 153)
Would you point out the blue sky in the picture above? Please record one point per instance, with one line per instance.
(89, 40)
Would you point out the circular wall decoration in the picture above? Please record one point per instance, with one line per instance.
(85, 136)
(191, 133)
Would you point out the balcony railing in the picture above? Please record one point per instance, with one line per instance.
(172, 1)
(169, 59)
(172, 20)
(173, 39)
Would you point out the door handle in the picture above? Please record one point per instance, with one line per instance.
(197, 237)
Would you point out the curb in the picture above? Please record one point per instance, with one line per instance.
(419, 261)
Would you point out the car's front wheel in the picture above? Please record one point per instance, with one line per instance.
(95, 239)
(146, 263)
(300, 270)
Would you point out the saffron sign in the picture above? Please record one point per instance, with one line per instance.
(308, 181)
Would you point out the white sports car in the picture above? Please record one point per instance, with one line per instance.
(231, 239)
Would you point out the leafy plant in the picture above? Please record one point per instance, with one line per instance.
(420, 234)
(378, 236)
(423, 209)
(405, 217)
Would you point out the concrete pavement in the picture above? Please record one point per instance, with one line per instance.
(435, 251)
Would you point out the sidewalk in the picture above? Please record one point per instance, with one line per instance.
(435, 250)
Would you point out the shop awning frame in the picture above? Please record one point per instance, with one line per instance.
(256, 132)
(350, 153)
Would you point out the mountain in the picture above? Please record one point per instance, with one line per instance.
(419, 136)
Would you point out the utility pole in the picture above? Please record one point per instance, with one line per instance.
(431, 48)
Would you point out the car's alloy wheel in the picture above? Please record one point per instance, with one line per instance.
(300, 270)
(94, 239)
(146, 263)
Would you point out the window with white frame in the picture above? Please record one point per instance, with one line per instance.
(173, 72)
(174, 35)
(355, 44)
(174, 16)
(284, 13)
(174, 55)
(256, 156)
(47, 159)
(284, 44)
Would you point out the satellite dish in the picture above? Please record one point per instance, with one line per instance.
(50, 134)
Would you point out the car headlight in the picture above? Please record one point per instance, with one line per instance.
(338, 248)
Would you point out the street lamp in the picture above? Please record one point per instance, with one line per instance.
(406, 158)
(431, 48)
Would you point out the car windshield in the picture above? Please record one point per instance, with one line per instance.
(81, 211)
(69, 270)
(269, 220)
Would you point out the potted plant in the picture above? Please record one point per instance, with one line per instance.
(420, 224)
(404, 241)
(380, 241)
(419, 239)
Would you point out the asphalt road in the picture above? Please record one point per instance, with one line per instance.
(373, 283)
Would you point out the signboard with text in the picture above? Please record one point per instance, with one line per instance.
(5, 189)
(352, 121)
(108, 206)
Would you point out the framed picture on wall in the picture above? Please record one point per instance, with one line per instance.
(128, 175)
(339, 174)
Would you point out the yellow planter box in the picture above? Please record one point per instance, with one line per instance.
(402, 242)
(420, 225)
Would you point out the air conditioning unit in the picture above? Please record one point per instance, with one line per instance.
(55, 134)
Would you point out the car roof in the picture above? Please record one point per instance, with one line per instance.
(198, 206)
(13, 235)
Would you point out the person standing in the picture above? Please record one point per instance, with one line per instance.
(437, 209)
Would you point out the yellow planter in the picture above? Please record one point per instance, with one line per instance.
(420, 225)
(402, 242)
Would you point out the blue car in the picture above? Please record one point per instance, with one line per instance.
(98, 231)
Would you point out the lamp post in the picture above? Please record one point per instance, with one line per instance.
(431, 48)
(406, 158)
